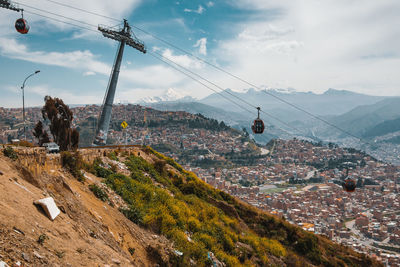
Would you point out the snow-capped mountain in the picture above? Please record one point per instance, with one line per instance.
(169, 95)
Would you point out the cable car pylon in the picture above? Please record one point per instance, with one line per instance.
(125, 37)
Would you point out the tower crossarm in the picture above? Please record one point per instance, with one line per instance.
(8, 5)
(122, 36)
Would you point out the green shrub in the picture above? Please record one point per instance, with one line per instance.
(159, 165)
(98, 192)
(134, 214)
(10, 153)
(113, 155)
(102, 172)
(42, 238)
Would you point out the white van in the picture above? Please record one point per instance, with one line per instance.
(51, 147)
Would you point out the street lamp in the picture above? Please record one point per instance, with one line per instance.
(23, 99)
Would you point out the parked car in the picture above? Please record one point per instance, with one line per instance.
(51, 147)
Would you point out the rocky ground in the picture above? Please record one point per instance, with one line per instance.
(88, 232)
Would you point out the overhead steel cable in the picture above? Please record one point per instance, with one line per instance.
(55, 14)
(62, 21)
(214, 66)
(218, 68)
(314, 116)
(231, 94)
(83, 10)
(220, 93)
(248, 83)
(163, 59)
(224, 91)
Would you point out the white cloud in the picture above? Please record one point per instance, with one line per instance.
(199, 10)
(89, 73)
(76, 59)
(202, 45)
(210, 4)
(152, 75)
(315, 45)
(183, 60)
(41, 90)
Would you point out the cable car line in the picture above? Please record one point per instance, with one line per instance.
(83, 10)
(222, 91)
(55, 14)
(218, 68)
(248, 83)
(62, 21)
(190, 54)
(86, 28)
(163, 59)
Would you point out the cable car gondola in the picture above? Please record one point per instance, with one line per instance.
(349, 185)
(21, 25)
(258, 125)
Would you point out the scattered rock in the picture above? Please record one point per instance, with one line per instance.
(92, 234)
(1, 173)
(25, 257)
(62, 209)
(116, 261)
(37, 255)
(178, 253)
(3, 264)
(49, 206)
(18, 231)
(18, 263)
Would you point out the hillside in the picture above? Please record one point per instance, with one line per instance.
(175, 219)
(331, 102)
(363, 118)
(386, 127)
(230, 118)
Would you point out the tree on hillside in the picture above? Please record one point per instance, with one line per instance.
(40, 133)
(60, 118)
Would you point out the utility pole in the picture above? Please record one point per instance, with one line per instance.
(23, 99)
(125, 37)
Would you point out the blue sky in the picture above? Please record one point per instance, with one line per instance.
(306, 45)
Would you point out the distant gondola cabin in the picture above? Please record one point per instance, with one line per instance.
(258, 126)
(349, 185)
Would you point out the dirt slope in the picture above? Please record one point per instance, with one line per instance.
(88, 232)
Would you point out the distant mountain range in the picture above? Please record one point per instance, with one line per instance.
(362, 115)
(386, 127)
(168, 96)
(371, 120)
(331, 102)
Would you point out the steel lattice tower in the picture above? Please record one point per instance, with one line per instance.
(125, 37)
